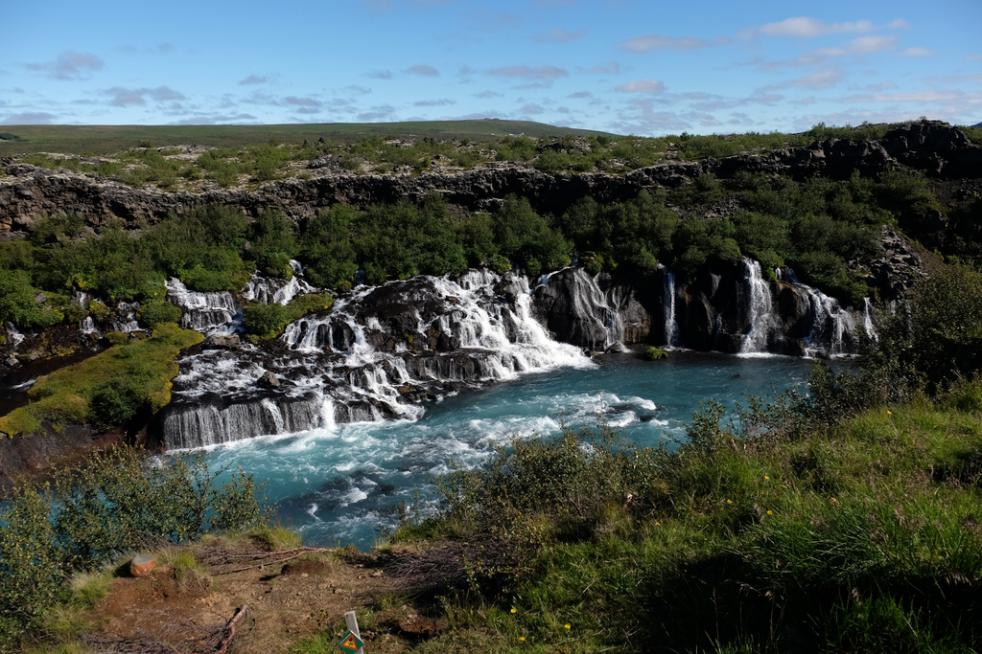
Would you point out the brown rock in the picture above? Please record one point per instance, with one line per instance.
(141, 565)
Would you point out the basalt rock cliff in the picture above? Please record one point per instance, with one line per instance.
(28, 192)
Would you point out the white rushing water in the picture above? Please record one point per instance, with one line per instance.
(760, 309)
(205, 312)
(352, 365)
(268, 290)
(671, 325)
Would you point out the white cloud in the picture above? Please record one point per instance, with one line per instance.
(898, 24)
(804, 27)
(29, 118)
(120, 96)
(424, 70)
(253, 79)
(559, 35)
(918, 52)
(69, 65)
(870, 44)
(661, 42)
(641, 86)
(820, 80)
(529, 72)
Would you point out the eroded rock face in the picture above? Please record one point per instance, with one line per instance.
(28, 193)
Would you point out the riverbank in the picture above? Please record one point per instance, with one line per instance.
(860, 537)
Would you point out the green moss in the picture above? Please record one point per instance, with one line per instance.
(267, 321)
(653, 353)
(63, 397)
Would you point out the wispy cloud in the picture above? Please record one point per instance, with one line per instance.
(423, 70)
(440, 102)
(918, 52)
(559, 35)
(69, 65)
(662, 42)
(641, 86)
(377, 113)
(529, 72)
(120, 96)
(804, 27)
(30, 118)
(380, 74)
(609, 68)
(254, 79)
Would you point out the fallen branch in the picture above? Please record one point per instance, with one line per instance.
(229, 632)
(262, 564)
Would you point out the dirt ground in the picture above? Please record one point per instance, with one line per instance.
(286, 598)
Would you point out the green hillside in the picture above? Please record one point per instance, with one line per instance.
(98, 139)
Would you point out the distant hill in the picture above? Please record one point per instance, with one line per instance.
(113, 138)
(977, 125)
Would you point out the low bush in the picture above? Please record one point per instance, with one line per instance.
(86, 517)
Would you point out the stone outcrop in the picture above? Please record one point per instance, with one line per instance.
(28, 192)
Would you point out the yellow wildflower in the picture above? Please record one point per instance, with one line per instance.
(766, 478)
(514, 610)
(729, 501)
(834, 500)
(769, 512)
(521, 639)
(567, 626)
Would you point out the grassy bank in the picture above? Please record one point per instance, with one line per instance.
(860, 537)
(124, 379)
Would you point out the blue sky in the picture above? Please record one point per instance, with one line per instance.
(641, 67)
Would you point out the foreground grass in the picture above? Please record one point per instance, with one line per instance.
(64, 396)
(864, 537)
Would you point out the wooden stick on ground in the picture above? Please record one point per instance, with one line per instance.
(230, 630)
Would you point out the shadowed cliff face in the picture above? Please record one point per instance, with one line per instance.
(29, 192)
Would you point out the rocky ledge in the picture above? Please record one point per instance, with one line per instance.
(28, 192)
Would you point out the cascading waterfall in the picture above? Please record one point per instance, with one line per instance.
(209, 313)
(760, 308)
(589, 315)
(868, 325)
(277, 291)
(375, 356)
(671, 328)
(128, 323)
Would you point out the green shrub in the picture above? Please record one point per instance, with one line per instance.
(267, 321)
(653, 353)
(23, 305)
(156, 312)
(115, 402)
(88, 516)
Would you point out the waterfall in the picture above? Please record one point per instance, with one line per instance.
(578, 311)
(759, 308)
(671, 327)
(376, 355)
(14, 337)
(209, 313)
(868, 325)
(128, 323)
(268, 290)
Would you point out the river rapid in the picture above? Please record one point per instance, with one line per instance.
(344, 484)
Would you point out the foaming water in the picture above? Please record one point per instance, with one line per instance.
(345, 484)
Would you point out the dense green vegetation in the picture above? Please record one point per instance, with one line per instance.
(87, 517)
(819, 227)
(108, 389)
(846, 520)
